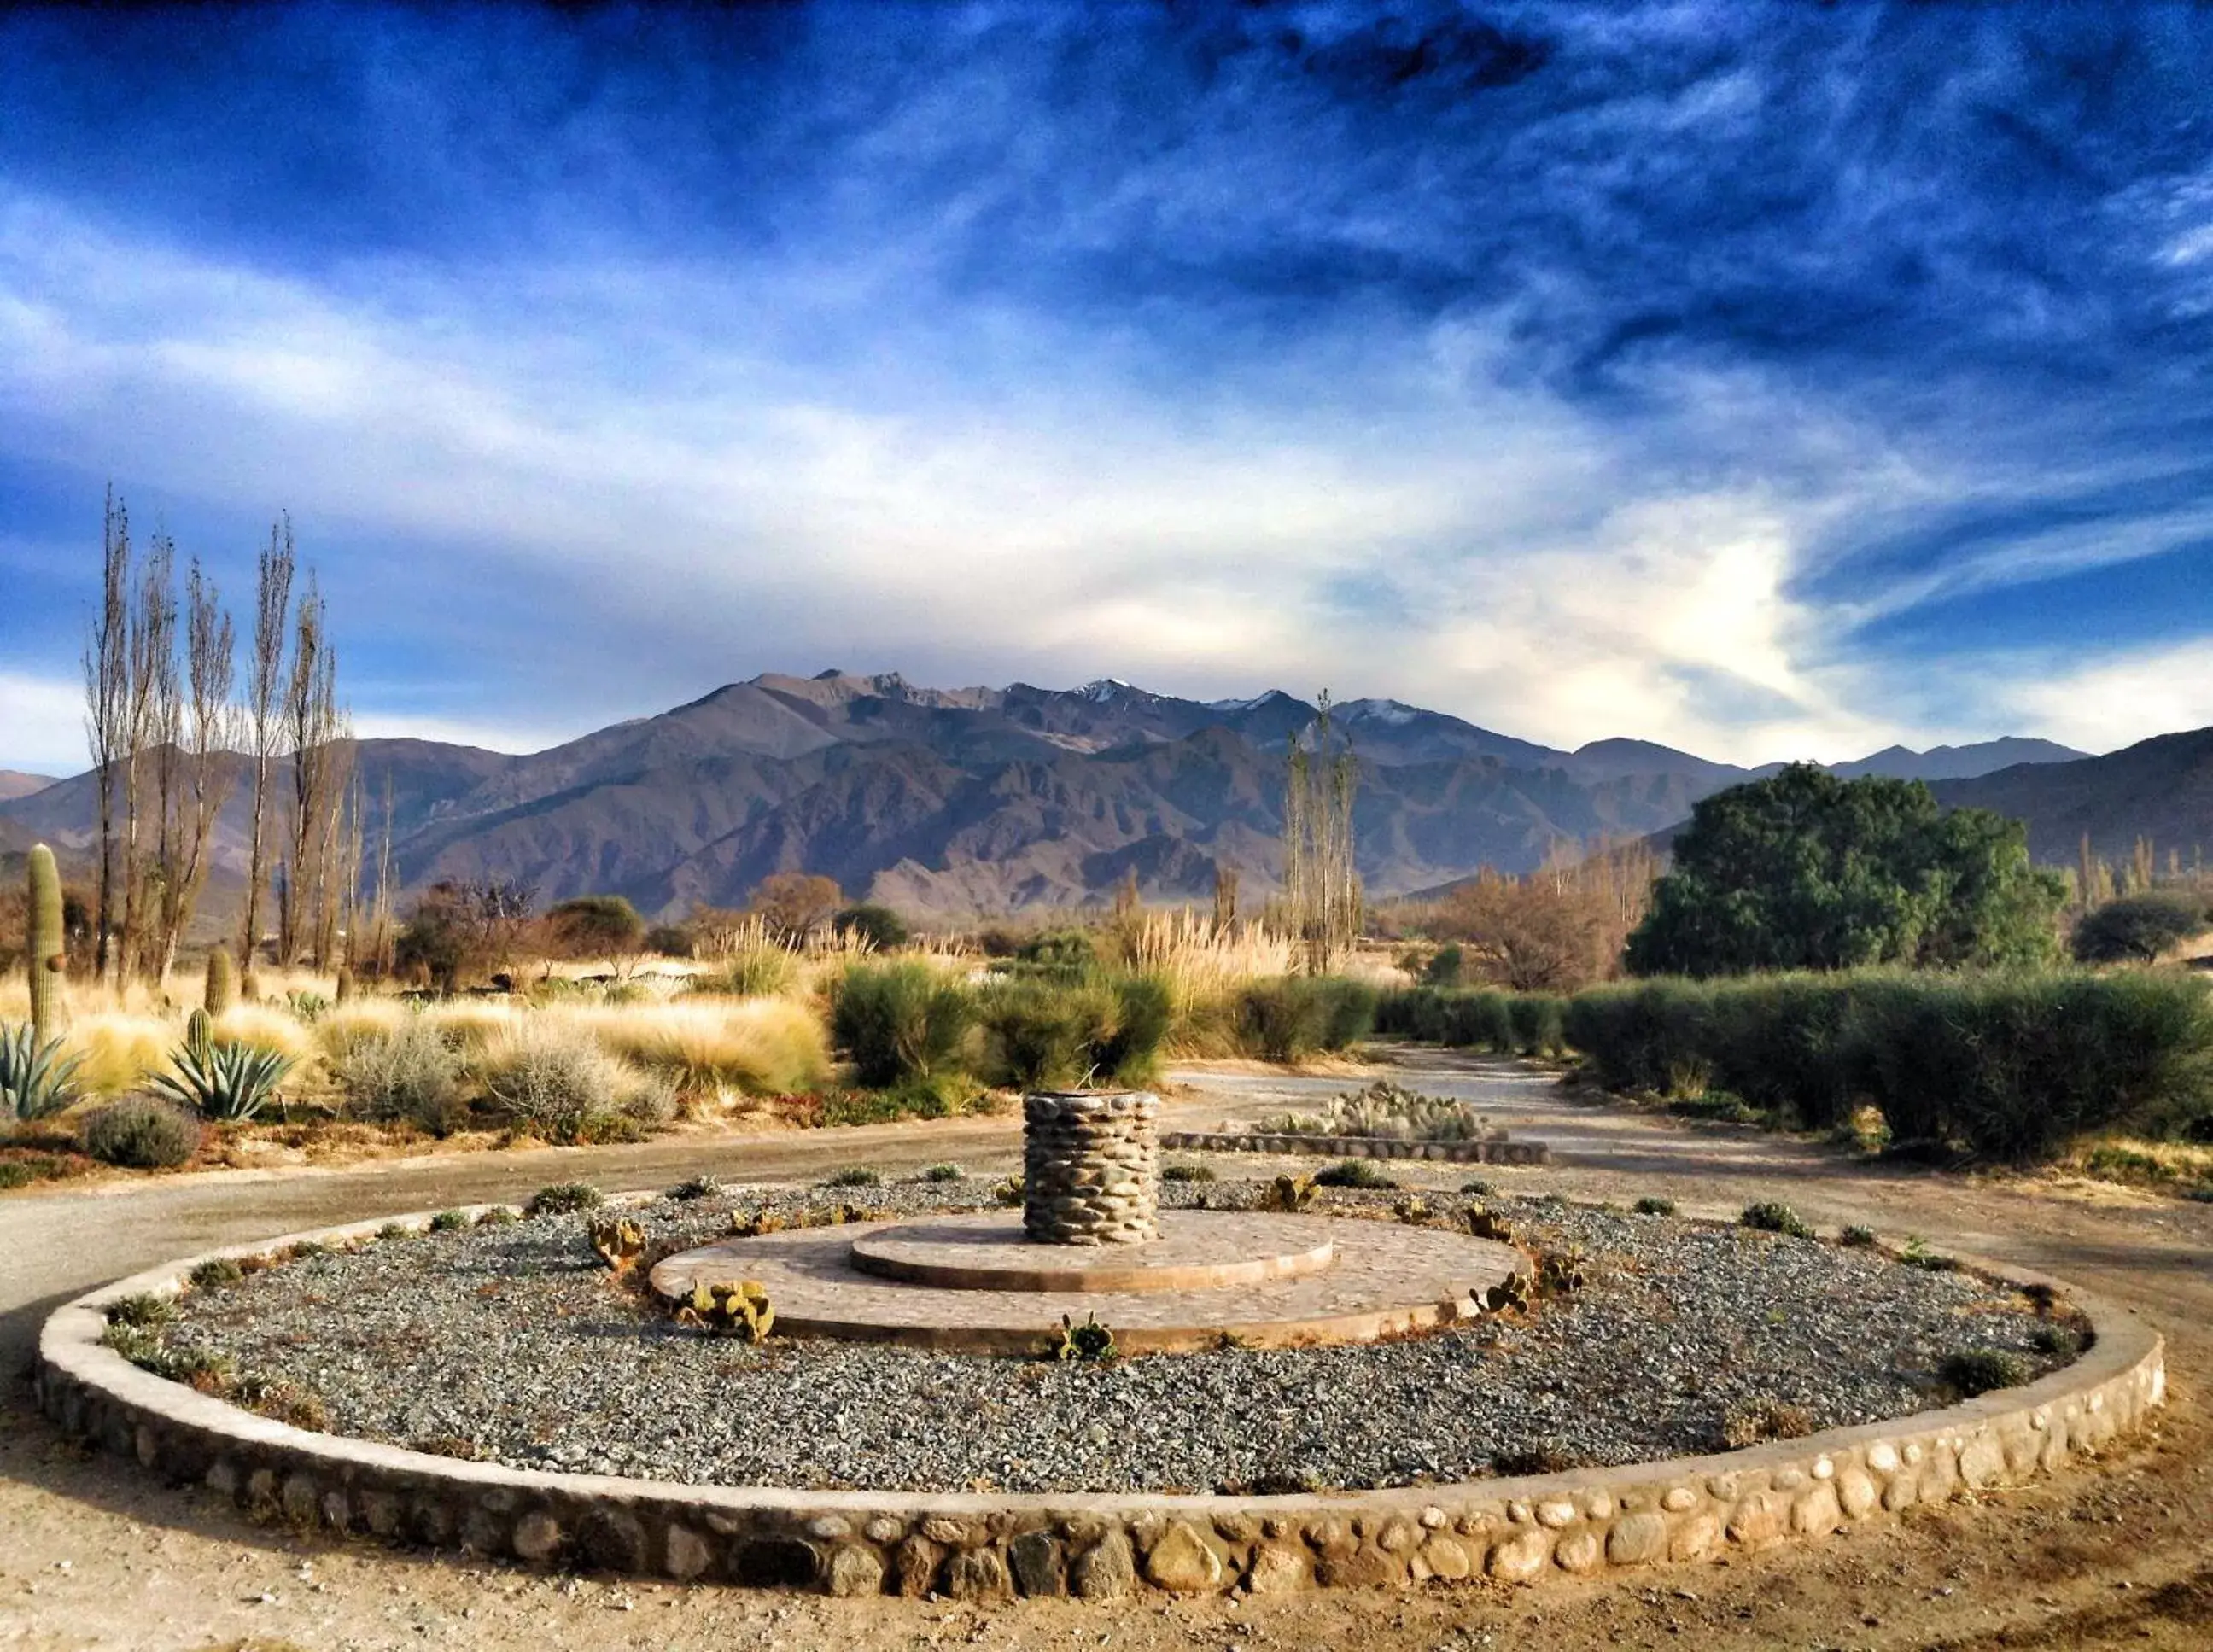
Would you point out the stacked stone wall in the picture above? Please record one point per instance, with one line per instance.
(1091, 1168)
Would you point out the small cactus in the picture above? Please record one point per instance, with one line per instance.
(199, 1035)
(1511, 1295)
(726, 1308)
(1561, 1273)
(47, 955)
(1288, 1195)
(1413, 1210)
(1090, 1342)
(1007, 1192)
(1484, 1225)
(752, 1224)
(221, 992)
(618, 1240)
(249, 986)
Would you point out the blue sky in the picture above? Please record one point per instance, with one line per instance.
(1768, 380)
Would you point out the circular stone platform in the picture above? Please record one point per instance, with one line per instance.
(1374, 1280)
(1196, 1251)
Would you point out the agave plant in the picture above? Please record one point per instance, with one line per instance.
(229, 1082)
(35, 1079)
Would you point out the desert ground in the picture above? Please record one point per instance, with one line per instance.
(2121, 1554)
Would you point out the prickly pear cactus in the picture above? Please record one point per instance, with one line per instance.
(48, 950)
(1484, 1225)
(1511, 1295)
(618, 1240)
(1413, 1212)
(1091, 1341)
(1289, 1195)
(730, 1309)
(1561, 1273)
(752, 1224)
(221, 992)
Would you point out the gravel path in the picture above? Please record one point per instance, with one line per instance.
(514, 1340)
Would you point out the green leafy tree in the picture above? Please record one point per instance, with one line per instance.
(883, 928)
(2138, 928)
(595, 926)
(1806, 871)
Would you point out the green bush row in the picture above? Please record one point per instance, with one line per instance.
(2010, 1064)
(1510, 1023)
(1041, 1029)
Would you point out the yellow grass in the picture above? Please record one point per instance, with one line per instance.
(267, 1027)
(1200, 965)
(767, 1046)
(120, 1048)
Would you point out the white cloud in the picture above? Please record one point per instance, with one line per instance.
(1391, 512)
(41, 724)
(2115, 701)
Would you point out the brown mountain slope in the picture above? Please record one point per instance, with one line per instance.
(2161, 788)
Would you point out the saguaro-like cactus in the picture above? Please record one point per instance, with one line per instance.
(222, 990)
(345, 988)
(48, 949)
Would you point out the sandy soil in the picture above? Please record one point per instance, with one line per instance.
(95, 1555)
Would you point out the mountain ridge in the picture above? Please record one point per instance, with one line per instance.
(975, 799)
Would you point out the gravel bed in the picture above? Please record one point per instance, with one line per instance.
(512, 1343)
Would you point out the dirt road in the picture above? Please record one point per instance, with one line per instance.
(95, 1555)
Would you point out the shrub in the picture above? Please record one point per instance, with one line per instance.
(229, 1082)
(564, 1196)
(142, 1133)
(1479, 1187)
(449, 1222)
(2137, 927)
(899, 1021)
(215, 1272)
(36, 1080)
(409, 1074)
(1771, 1218)
(1651, 1206)
(144, 1307)
(765, 1046)
(1538, 1021)
(1290, 1017)
(943, 1172)
(1980, 1370)
(699, 1187)
(878, 925)
(558, 1083)
(1758, 1420)
(941, 1095)
(499, 1215)
(854, 1176)
(1353, 1173)
(1186, 1173)
(1857, 1237)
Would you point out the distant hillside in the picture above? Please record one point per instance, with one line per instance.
(2161, 788)
(14, 784)
(1957, 762)
(958, 801)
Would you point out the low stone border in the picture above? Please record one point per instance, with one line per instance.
(1359, 1147)
(985, 1547)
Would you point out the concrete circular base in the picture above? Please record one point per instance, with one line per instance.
(1197, 1250)
(1371, 1279)
(984, 1546)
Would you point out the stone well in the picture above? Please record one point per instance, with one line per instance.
(1091, 1167)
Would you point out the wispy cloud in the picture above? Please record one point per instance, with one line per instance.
(1582, 369)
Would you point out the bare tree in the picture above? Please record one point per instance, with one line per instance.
(106, 675)
(315, 729)
(209, 772)
(1321, 886)
(265, 683)
(150, 716)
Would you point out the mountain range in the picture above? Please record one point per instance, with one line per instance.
(954, 802)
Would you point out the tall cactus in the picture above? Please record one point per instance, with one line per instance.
(344, 987)
(222, 983)
(48, 951)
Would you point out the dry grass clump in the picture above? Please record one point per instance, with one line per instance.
(1199, 964)
(764, 1047)
(265, 1027)
(120, 1048)
(557, 1083)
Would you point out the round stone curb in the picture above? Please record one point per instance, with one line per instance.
(987, 1547)
(1359, 1147)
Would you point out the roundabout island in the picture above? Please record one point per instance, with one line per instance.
(1295, 1387)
